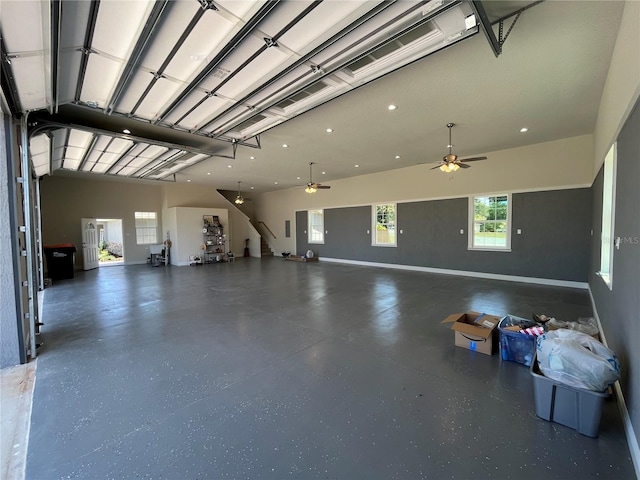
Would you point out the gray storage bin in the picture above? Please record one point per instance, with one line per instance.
(573, 407)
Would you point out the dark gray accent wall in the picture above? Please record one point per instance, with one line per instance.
(554, 243)
(619, 308)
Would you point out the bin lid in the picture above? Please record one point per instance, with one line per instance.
(59, 246)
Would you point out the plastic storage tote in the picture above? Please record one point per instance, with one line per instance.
(516, 346)
(572, 407)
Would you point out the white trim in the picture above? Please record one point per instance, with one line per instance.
(632, 440)
(464, 273)
(374, 225)
(607, 276)
(452, 197)
(472, 221)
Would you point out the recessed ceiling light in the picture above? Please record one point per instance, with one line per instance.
(208, 173)
(324, 173)
(252, 187)
(524, 129)
(356, 165)
(392, 107)
(329, 130)
(229, 166)
(275, 183)
(127, 131)
(297, 178)
(252, 158)
(397, 157)
(284, 145)
(188, 180)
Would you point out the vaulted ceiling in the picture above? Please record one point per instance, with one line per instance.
(210, 90)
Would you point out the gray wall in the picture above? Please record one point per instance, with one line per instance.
(619, 308)
(554, 243)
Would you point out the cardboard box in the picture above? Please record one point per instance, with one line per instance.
(474, 331)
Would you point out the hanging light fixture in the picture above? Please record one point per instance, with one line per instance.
(239, 200)
(311, 187)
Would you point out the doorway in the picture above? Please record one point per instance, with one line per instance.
(110, 242)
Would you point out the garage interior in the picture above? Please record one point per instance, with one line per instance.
(367, 134)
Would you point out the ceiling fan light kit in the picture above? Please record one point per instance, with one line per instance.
(451, 162)
(313, 187)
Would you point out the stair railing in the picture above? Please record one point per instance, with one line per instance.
(267, 228)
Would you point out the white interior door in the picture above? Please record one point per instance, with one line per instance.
(90, 243)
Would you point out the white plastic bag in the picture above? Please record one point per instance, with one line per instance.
(577, 359)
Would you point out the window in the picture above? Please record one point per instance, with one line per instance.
(384, 225)
(146, 228)
(608, 210)
(490, 219)
(316, 226)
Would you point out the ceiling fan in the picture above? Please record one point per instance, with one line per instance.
(313, 187)
(451, 162)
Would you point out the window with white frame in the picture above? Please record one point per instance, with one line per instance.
(315, 230)
(146, 228)
(608, 215)
(384, 225)
(490, 222)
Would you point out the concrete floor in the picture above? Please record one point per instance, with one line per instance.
(276, 369)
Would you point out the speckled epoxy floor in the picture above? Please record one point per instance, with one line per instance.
(276, 369)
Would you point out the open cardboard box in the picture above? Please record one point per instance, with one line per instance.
(475, 331)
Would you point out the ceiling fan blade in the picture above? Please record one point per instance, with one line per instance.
(473, 159)
(462, 165)
(323, 186)
(437, 166)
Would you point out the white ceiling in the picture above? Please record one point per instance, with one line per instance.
(549, 78)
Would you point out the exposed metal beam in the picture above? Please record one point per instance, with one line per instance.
(7, 81)
(101, 154)
(517, 12)
(485, 23)
(145, 148)
(366, 17)
(139, 48)
(94, 120)
(246, 29)
(325, 73)
(269, 42)
(44, 125)
(56, 16)
(85, 157)
(185, 34)
(67, 134)
(164, 163)
(124, 154)
(86, 50)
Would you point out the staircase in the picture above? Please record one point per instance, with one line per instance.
(265, 251)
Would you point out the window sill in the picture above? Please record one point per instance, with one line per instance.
(606, 278)
(480, 249)
(383, 245)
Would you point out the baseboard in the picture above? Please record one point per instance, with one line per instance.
(632, 440)
(464, 273)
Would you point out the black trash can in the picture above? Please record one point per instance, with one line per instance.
(60, 260)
